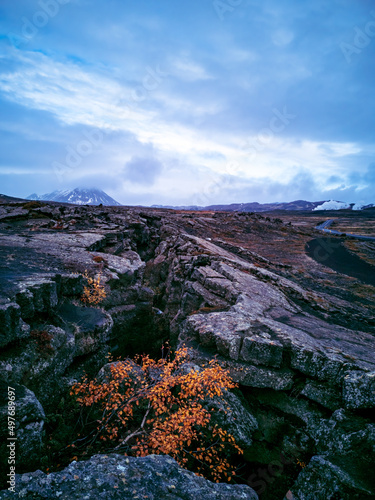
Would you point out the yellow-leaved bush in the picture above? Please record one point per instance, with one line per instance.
(156, 407)
(93, 292)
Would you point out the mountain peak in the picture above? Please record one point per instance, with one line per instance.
(77, 196)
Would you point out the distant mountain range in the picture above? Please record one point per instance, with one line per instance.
(268, 207)
(251, 207)
(84, 196)
(78, 196)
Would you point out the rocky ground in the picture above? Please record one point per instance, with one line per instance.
(296, 334)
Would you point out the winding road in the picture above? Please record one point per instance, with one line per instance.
(325, 225)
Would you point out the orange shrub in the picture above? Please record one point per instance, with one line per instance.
(93, 292)
(156, 407)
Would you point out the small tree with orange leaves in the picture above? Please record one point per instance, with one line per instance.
(93, 292)
(158, 407)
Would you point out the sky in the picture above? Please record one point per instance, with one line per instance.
(190, 102)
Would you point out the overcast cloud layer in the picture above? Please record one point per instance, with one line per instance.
(189, 102)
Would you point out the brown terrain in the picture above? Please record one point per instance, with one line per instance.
(290, 311)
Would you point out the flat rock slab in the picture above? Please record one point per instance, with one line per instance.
(267, 329)
(46, 253)
(36, 254)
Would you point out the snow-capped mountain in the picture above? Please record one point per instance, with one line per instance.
(78, 196)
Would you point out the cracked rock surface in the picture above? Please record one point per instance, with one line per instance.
(298, 337)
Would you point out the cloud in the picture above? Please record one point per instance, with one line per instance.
(185, 100)
(282, 37)
(143, 171)
(64, 89)
(188, 70)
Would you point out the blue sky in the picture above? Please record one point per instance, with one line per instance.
(189, 102)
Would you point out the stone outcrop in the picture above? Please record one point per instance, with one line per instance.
(29, 423)
(322, 479)
(115, 476)
(301, 351)
(303, 366)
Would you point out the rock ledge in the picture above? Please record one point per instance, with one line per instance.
(153, 477)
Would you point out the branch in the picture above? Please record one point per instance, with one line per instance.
(138, 432)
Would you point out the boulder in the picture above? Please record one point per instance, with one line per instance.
(12, 327)
(29, 421)
(153, 477)
(40, 362)
(231, 415)
(359, 389)
(321, 479)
